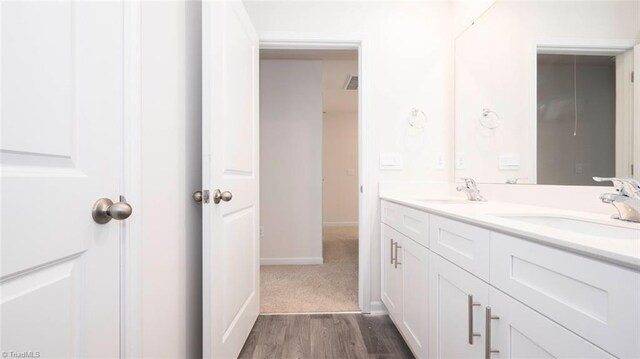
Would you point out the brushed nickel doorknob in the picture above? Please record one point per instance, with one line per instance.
(197, 196)
(219, 195)
(104, 210)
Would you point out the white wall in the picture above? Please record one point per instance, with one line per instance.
(339, 144)
(291, 161)
(465, 12)
(340, 169)
(495, 63)
(171, 267)
(409, 63)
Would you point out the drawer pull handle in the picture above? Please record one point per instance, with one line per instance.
(396, 255)
(391, 249)
(470, 309)
(487, 340)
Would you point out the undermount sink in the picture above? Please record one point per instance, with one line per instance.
(448, 201)
(579, 226)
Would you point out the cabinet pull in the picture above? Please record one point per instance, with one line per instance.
(391, 250)
(487, 338)
(396, 255)
(472, 304)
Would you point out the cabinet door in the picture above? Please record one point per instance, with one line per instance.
(520, 332)
(391, 273)
(414, 262)
(456, 311)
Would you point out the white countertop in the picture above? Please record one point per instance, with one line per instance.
(620, 251)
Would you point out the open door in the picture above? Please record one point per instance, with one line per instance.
(231, 260)
(636, 112)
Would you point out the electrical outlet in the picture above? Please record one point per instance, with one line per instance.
(461, 161)
(261, 232)
(440, 161)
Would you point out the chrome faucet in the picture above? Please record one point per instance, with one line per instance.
(470, 188)
(626, 199)
(514, 180)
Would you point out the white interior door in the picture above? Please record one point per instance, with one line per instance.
(231, 260)
(636, 112)
(60, 150)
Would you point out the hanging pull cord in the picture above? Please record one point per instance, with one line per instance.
(575, 95)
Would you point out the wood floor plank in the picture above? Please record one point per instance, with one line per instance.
(350, 337)
(297, 343)
(324, 336)
(374, 342)
(271, 338)
(324, 343)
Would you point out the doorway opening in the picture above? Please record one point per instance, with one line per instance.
(584, 101)
(310, 180)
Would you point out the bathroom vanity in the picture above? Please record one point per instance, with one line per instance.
(465, 279)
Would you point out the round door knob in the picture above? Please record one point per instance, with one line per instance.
(197, 196)
(104, 210)
(221, 196)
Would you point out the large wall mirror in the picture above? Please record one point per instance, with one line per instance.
(544, 93)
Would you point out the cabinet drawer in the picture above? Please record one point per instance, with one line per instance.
(465, 245)
(596, 300)
(408, 221)
(520, 332)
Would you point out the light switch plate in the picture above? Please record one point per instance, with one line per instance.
(509, 161)
(390, 161)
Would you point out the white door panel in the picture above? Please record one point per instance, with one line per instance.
(230, 163)
(61, 113)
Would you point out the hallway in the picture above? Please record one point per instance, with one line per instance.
(328, 287)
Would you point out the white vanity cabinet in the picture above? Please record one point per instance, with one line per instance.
(544, 302)
(520, 332)
(414, 323)
(456, 311)
(405, 287)
(391, 289)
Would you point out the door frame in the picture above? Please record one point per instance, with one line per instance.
(313, 41)
(131, 186)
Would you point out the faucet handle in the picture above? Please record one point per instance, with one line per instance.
(626, 186)
(469, 182)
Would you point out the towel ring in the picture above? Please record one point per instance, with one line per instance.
(414, 119)
(489, 119)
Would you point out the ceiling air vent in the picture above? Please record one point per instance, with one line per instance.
(352, 82)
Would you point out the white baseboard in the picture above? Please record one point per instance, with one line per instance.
(378, 308)
(290, 261)
(340, 224)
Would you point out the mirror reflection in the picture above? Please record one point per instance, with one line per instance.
(544, 93)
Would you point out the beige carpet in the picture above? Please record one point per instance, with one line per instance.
(329, 287)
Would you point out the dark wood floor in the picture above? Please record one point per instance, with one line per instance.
(331, 336)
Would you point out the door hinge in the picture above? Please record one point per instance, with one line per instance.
(632, 169)
(632, 76)
(205, 196)
(361, 190)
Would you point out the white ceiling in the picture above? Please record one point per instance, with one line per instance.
(337, 65)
